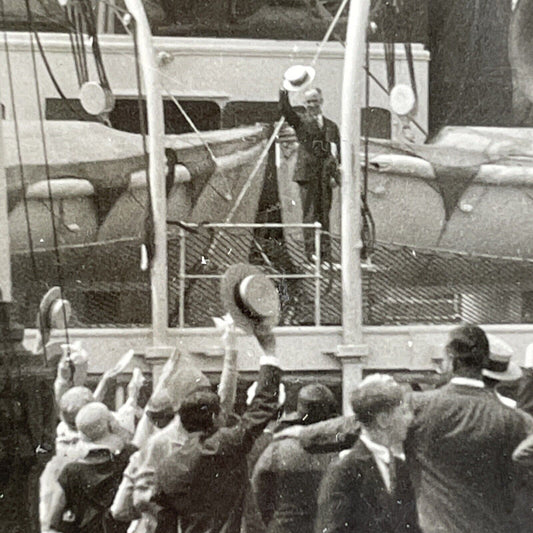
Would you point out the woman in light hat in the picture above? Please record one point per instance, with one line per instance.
(90, 483)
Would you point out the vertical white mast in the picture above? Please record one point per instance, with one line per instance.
(352, 349)
(5, 255)
(156, 132)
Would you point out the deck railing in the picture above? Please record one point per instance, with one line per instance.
(221, 246)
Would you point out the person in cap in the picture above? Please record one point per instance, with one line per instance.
(316, 171)
(524, 393)
(89, 484)
(205, 481)
(500, 369)
(134, 498)
(460, 443)
(137, 479)
(286, 478)
(368, 489)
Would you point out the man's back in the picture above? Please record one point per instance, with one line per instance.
(286, 482)
(206, 479)
(90, 485)
(459, 450)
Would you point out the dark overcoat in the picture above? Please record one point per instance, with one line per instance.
(90, 485)
(286, 480)
(315, 144)
(353, 497)
(205, 481)
(459, 449)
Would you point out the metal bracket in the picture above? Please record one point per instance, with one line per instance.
(214, 352)
(352, 352)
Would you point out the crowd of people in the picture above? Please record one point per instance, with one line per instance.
(451, 459)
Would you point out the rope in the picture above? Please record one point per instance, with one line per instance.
(17, 140)
(48, 178)
(73, 47)
(411, 66)
(90, 21)
(368, 219)
(262, 157)
(20, 162)
(225, 195)
(329, 31)
(49, 71)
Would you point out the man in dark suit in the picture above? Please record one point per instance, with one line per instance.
(460, 444)
(316, 169)
(286, 478)
(205, 481)
(368, 489)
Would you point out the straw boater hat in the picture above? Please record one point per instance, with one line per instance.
(250, 298)
(499, 365)
(51, 309)
(298, 77)
(54, 312)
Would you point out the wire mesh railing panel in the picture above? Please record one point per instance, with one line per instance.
(410, 285)
(102, 281)
(401, 284)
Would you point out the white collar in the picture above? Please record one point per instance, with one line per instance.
(468, 382)
(382, 453)
(509, 402)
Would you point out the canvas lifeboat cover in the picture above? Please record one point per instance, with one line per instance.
(469, 190)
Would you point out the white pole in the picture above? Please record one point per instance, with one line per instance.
(352, 350)
(5, 253)
(154, 107)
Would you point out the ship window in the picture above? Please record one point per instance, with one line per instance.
(248, 113)
(205, 114)
(69, 109)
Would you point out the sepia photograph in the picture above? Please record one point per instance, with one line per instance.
(266, 266)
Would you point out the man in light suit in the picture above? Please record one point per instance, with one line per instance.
(316, 169)
(368, 489)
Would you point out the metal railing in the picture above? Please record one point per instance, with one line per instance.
(185, 236)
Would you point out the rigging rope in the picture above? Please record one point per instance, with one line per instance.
(51, 74)
(48, 177)
(225, 195)
(369, 228)
(21, 166)
(18, 145)
(329, 31)
(326, 16)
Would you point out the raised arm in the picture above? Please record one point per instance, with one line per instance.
(264, 405)
(333, 435)
(227, 389)
(287, 110)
